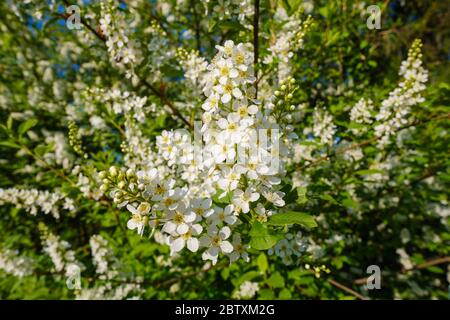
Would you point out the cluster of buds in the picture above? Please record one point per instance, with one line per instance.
(297, 41)
(75, 140)
(318, 269)
(282, 99)
(121, 183)
(155, 28)
(182, 54)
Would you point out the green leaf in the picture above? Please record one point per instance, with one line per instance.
(9, 122)
(27, 125)
(329, 198)
(245, 277)
(4, 128)
(285, 294)
(369, 171)
(261, 238)
(435, 269)
(262, 262)
(292, 217)
(42, 149)
(9, 144)
(301, 195)
(265, 294)
(276, 281)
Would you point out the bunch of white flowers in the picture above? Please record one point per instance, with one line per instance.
(123, 52)
(116, 101)
(60, 153)
(109, 291)
(224, 169)
(395, 110)
(102, 257)
(62, 256)
(12, 263)
(361, 113)
(88, 185)
(159, 51)
(241, 9)
(323, 126)
(194, 67)
(290, 247)
(33, 200)
(116, 286)
(288, 40)
(247, 290)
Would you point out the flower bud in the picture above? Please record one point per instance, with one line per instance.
(130, 173)
(113, 171)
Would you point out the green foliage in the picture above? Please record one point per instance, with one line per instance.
(350, 221)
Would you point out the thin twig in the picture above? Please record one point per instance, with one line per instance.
(143, 81)
(425, 265)
(347, 289)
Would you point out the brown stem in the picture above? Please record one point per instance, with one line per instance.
(347, 289)
(424, 265)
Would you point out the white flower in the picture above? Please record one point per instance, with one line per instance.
(179, 221)
(137, 222)
(187, 239)
(242, 199)
(239, 250)
(216, 242)
(224, 215)
(247, 289)
(202, 207)
(231, 129)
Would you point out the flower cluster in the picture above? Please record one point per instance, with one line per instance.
(33, 200)
(287, 41)
(194, 67)
(63, 257)
(290, 248)
(158, 53)
(395, 110)
(116, 101)
(102, 256)
(323, 126)
(75, 140)
(245, 185)
(247, 290)
(123, 52)
(361, 113)
(226, 8)
(12, 263)
(59, 154)
(117, 286)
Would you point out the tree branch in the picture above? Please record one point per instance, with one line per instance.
(143, 81)
(347, 289)
(369, 141)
